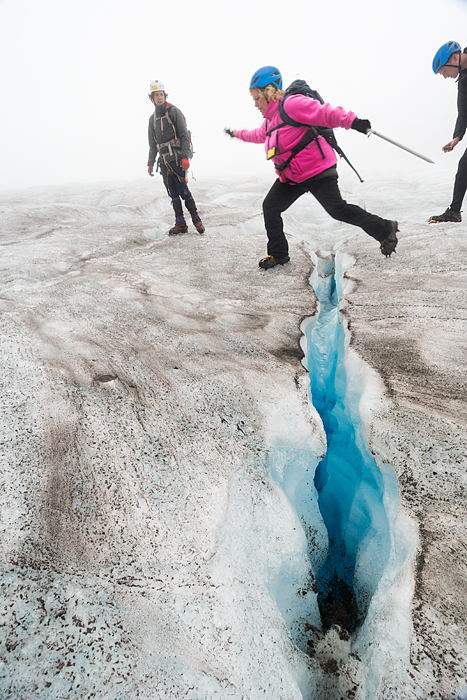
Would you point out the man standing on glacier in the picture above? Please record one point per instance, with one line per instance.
(451, 62)
(169, 138)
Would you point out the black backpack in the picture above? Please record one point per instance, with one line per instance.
(300, 87)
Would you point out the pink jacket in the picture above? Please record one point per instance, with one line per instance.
(308, 162)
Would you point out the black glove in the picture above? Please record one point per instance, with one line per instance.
(151, 170)
(361, 125)
(229, 132)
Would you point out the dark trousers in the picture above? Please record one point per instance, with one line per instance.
(324, 187)
(177, 189)
(460, 184)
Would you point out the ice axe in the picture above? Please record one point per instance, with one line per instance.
(399, 145)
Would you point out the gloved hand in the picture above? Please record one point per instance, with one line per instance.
(230, 132)
(361, 125)
(150, 170)
(185, 163)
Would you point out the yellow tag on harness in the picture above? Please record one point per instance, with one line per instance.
(271, 153)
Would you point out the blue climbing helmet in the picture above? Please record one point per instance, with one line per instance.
(444, 53)
(267, 75)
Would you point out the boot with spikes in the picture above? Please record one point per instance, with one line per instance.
(197, 223)
(180, 226)
(448, 216)
(388, 245)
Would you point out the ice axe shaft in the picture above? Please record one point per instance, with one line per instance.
(399, 145)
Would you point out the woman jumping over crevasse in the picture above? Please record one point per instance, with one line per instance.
(304, 161)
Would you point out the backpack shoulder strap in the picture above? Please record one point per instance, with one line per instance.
(327, 133)
(285, 117)
(166, 115)
(309, 136)
(313, 134)
(286, 120)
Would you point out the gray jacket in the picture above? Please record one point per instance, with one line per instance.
(170, 140)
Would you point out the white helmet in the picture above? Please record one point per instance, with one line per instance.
(156, 85)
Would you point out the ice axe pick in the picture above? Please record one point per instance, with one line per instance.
(399, 145)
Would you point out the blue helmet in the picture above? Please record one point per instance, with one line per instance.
(443, 54)
(267, 75)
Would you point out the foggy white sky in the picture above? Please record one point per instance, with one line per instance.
(75, 75)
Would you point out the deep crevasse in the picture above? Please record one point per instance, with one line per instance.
(349, 483)
(371, 542)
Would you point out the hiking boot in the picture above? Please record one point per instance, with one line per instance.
(388, 246)
(270, 261)
(449, 215)
(178, 229)
(199, 227)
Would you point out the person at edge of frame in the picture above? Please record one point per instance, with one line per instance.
(451, 62)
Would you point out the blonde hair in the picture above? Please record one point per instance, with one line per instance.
(270, 92)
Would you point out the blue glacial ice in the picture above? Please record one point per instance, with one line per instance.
(349, 483)
(363, 561)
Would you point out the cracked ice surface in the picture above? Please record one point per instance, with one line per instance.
(143, 540)
(153, 401)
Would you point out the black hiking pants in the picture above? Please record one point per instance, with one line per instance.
(460, 184)
(177, 189)
(324, 187)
